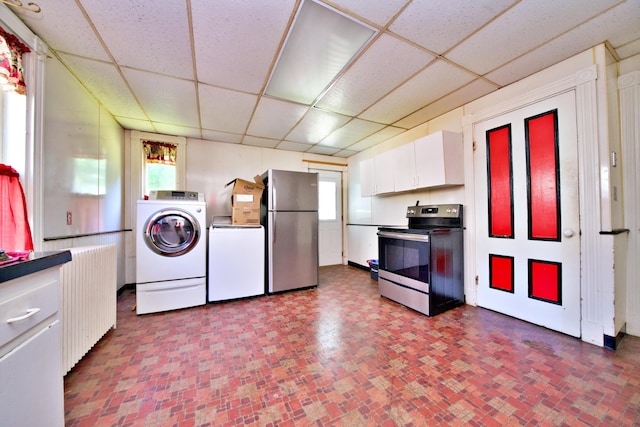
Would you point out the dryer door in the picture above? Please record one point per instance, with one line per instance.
(171, 232)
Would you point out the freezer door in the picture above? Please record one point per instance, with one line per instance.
(292, 191)
(293, 250)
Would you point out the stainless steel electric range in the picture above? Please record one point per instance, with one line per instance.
(421, 266)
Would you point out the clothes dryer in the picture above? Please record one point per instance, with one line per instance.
(171, 251)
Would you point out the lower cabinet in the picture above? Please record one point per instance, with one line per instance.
(31, 379)
(32, 391)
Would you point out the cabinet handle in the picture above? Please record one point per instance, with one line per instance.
(30, 312)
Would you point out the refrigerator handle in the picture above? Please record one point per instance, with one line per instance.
(275, 227)
(273, 197)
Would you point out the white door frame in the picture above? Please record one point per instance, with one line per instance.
(343, 198)
(590, 165)
(629, 90)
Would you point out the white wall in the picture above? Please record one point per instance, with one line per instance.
(78, 129)
(76, 126)
(211, 165)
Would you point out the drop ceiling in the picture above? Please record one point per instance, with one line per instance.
(198, 68)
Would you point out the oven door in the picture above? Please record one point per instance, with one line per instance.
(404, 258)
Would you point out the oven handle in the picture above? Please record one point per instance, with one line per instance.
(404, 236)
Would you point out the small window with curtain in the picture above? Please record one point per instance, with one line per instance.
(160, 166)
(15, 231)
(13, 102)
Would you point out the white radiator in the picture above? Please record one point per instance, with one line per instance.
(89, 292)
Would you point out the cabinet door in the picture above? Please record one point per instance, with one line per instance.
(32, 391)
(367, 180)
(439, 159)
(384, 164)
(405, 168)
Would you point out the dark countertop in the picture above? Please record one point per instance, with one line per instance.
(37, 261)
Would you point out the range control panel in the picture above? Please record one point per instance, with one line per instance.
(435, 211)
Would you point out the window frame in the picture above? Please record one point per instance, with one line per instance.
(138, 160)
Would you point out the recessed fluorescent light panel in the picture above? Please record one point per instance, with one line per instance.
(321, 42)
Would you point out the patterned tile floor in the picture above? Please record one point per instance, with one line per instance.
(340, 355)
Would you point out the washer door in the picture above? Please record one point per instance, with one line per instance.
(171, 232)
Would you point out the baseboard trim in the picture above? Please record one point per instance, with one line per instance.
(613, 343)
(362, 267)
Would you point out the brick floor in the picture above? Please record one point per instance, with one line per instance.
(340, 355)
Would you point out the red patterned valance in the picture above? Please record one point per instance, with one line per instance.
(11, 71)
(160, 152)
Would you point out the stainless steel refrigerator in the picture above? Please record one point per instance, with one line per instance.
(289, 213)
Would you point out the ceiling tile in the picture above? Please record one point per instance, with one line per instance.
(345, 153)
(351, 133)
(522, 28)
(141, 125)
(236, 40)
(434, 82)
(130, 29)
(167, 100)
(235, 44)
(620, 26)
(225, 110)
(274, 118)
(456, 20)
(377, 138)
(581, 38)
(260, 142)
(628, 50)
(468, 93)
(319, 149)
(380, 14)
(168, 129)
(374, 75)
(104, 81)
(64, 27)
(293, 146)
(231, 138)
(316, 125)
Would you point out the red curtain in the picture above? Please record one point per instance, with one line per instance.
(15, 233)
(160, 152)
(11, 71)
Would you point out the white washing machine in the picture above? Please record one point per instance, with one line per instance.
(236, 261)
(171, 251)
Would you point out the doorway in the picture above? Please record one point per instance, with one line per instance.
(527, 214)
(330, 216)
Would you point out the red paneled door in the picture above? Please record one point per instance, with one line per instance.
(527, 216)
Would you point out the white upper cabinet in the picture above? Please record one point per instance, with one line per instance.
(367, 180)
(435, 160)
(384, 165)
(439, 159)
(376, 174)
(404, 171)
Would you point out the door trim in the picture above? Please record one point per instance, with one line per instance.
(591, 164)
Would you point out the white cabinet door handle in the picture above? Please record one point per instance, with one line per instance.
(28, 314)
(567, 232)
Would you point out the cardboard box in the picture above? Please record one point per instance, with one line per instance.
(245, 200)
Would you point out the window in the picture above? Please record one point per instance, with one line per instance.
(168, 174)
(327, 200)
(13, 104)
(159, 166)
(14, 121)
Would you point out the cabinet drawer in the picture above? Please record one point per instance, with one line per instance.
(24, 311)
